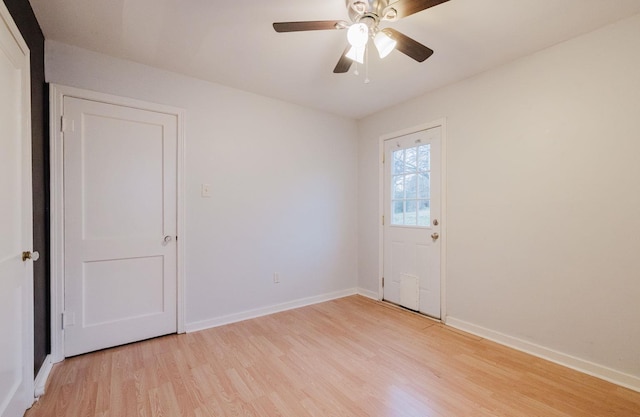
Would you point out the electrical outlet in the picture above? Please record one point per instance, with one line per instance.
(276, 278)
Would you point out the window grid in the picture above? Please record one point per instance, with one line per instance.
(411, 186)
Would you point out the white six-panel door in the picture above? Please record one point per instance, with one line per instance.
(16, 274)
(412, 223)
(120, 220)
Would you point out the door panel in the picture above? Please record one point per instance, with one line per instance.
(16, 275)
(133, 168)
(104, 281)
(412, 221)
(120, 224)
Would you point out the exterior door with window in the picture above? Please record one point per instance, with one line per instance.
(412, 221)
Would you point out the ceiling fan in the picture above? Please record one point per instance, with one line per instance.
(365, 17)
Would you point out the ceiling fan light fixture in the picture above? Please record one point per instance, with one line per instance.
(358, 35)
(356, 54)
(384, 43)
(365, 17)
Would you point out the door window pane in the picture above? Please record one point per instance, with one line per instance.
(398, 162)
(424, 186)
(410, 213)
(424, 158)
(410, 162)
(397, 216)
(398, 187)
(410, 186)
(424, 213)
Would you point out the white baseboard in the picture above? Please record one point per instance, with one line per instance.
(619, 378)
(43, 375)
(369, 294)
(263, 311)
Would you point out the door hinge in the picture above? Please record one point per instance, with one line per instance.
(383, 220)
(384, 155)
(68, 319)
(382, 282)
(66, 124)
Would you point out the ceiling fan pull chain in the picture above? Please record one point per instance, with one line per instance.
(366, 65)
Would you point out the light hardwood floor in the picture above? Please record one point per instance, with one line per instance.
(348, 357)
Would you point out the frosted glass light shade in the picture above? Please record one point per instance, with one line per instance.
(358, 35)
(384, 43)
(356, 54)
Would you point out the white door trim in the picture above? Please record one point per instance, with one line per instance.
(56, 99)
(442, 123)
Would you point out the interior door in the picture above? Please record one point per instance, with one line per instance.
(120, 220)
(16, 274)
(412, 221)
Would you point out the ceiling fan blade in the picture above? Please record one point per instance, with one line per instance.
(408, 46)
(344, 63)
(309, 25)
(406, 8)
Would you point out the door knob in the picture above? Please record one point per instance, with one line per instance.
(34, 256)
(435, 236)
(167, 239)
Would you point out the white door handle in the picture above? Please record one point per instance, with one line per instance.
(167, 239)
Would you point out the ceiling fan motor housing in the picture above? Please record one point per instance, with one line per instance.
(374, 9)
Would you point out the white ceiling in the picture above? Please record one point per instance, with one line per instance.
(233, 43)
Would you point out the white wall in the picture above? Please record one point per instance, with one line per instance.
(543, 198)
(284, 180)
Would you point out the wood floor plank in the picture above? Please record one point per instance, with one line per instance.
(347, 357)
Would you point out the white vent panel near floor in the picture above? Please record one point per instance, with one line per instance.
(409, 292)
